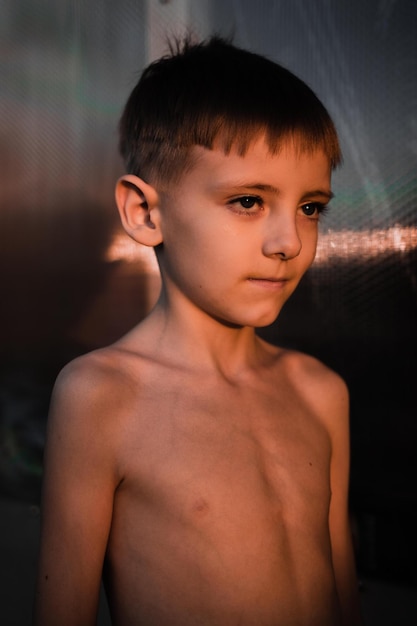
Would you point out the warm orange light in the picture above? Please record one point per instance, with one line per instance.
(338, 245)
(122, 248)
(364, 244)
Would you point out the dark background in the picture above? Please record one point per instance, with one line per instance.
(70, 281)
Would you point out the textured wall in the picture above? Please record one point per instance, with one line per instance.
(69, 281)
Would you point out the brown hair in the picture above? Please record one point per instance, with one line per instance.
(213, 91)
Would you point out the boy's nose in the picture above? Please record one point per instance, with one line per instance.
(282, 238)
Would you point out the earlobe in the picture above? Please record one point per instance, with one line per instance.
(138, 205)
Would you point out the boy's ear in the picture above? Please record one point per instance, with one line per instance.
(138, 205)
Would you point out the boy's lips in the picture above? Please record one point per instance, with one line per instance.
(269, 282)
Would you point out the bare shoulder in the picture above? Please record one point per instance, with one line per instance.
(321, 388)
(90, 371)
(98, 376)
(91, 399)
(312, 372)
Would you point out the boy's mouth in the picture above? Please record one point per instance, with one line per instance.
(270, 282)
(272, 279)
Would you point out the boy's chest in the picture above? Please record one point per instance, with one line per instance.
(209, 456)
(224, 507)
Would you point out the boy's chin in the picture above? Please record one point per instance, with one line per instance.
(267, 318)
(255, 321)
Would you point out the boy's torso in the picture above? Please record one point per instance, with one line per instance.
(222, 514)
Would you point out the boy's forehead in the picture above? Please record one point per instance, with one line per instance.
(219, 173)
(257, 155)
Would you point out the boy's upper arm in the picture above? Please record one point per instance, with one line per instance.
(328, 395)
(80, 478)
(337, 417)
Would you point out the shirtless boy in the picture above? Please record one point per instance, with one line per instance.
(201, 470)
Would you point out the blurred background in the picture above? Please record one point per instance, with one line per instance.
(70, 281)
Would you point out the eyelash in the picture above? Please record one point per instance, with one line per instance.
(257, 200)
(318, 206)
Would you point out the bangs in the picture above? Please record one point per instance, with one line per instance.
(231, 135)
(213, 94)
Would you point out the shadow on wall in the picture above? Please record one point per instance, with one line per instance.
(60, 298)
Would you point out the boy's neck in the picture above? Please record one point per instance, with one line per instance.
(194, 339)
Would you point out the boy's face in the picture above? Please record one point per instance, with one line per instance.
(240, 231)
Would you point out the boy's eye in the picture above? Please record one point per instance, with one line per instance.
(313, 208)
(247, 202)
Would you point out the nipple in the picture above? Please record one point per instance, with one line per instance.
(200, 506)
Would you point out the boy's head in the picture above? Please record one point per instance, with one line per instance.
(214, 94)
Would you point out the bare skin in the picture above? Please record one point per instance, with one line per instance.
(206, 469)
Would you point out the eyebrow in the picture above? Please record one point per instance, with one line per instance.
(326, 193)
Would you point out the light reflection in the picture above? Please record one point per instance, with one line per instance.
(341, 245)
(123, 248)
(364, 244)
